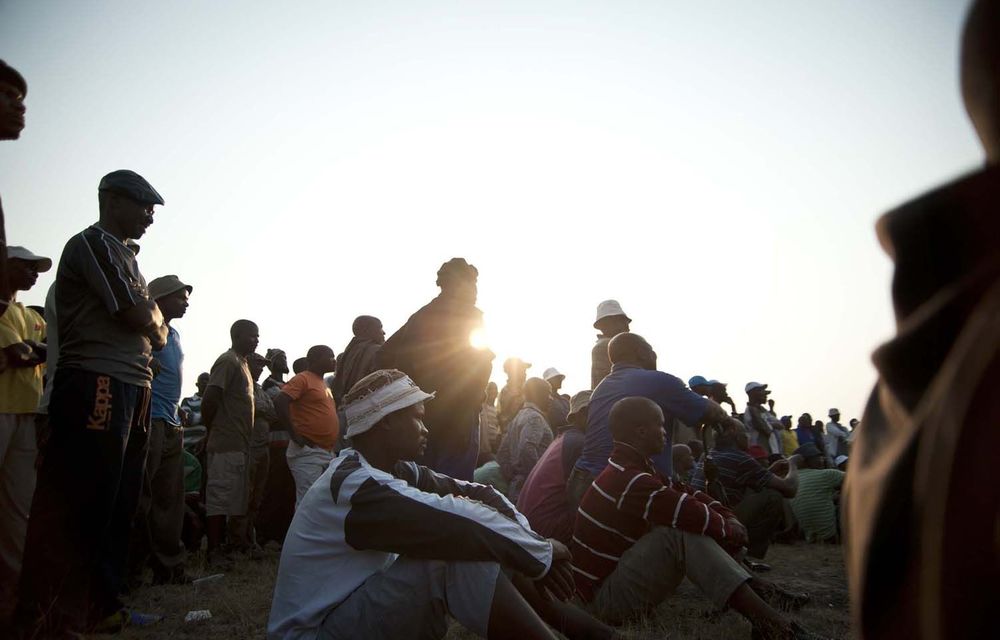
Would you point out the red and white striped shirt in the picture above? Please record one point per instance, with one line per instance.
(626, 500)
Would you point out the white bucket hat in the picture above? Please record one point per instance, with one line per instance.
(552, 372)
(366, 411)
(609, 308)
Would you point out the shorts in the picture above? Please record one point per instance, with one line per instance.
(227, 492)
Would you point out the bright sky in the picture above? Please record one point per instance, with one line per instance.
(715, 166)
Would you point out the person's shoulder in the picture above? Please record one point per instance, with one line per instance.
(227, 359)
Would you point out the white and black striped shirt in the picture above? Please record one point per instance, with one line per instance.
(356, 520)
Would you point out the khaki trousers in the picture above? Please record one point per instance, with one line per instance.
(649, 572)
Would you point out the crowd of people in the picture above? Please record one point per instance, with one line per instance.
(403, 487)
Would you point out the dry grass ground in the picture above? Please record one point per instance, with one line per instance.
(241, 600)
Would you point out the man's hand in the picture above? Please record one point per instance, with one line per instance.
(155, 366)
(736, 532)
(559, 580)
(780, 467)
(20, 354)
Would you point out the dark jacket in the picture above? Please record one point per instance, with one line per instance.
(921, 500)
(433, 348)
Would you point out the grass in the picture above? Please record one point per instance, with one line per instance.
(241, 600)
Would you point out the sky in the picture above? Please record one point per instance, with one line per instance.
(717, 167)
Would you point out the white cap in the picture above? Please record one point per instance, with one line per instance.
(754, 385)
(839, 460)
(833, 412)
(607, 309)
(43, 263)
(366, 411)
(550, 373)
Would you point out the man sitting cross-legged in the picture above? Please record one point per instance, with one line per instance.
(636, 538)
(381, 547)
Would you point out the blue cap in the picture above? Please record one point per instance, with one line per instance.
(698, 381)
(809, 450)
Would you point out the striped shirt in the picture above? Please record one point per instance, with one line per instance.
(738, 472)
(626, 500)
(356, 520)
(98, 278)
(813, 503)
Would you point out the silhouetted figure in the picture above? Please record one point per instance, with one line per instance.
(922, 497)
(13, 89)
(611, 320)
(358, 358)
(434, 349)
(91, 476)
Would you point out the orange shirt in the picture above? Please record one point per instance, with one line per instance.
(314, 415)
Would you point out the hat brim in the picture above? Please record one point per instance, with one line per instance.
(164, 294)
(611, 315)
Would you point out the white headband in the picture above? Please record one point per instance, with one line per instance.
(364, 413)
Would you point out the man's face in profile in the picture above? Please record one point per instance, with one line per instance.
(11, 111)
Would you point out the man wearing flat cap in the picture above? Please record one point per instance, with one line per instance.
(381, 547)
(22, 334)
(160, 519)
(91, 478)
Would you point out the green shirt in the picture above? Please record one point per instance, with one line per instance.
(813, 503)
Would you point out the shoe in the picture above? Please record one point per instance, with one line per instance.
(757, 567)
(778, 597)
(119, 620)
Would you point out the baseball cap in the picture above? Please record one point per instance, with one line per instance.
(579, 402)
(754, 385)
(698, 381)
(514, 363)
(42, 263)
(833, 412)
(609, 308)
(808, 450)
(365, 412)
(550, 373)
(132, 185)
(165, 285)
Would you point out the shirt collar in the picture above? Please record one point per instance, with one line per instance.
(629, 457)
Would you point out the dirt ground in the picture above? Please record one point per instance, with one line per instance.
(240, 602)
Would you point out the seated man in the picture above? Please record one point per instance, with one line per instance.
(637, 538)
(381, 547)
(814, 505)
(528, 436)
(683, 463)
(755, 492)
(544, 499)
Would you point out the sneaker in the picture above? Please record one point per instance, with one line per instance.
(757, 567)
(117, 621)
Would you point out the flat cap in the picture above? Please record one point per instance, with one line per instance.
(132, 185)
